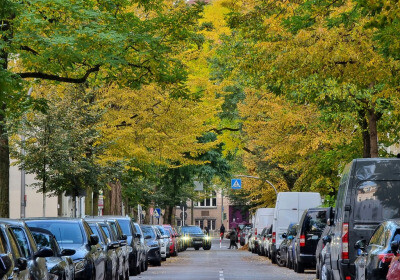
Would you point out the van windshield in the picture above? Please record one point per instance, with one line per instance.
(377, 201)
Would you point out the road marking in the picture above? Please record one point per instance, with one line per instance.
(221, 275)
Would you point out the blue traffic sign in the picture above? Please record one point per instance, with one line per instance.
(157, 213)
(236, 184)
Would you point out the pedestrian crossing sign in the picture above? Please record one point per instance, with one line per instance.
(236, 184)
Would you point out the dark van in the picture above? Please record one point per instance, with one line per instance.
(368, 194)
(311, 226)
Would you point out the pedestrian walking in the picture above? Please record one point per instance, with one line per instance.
(222, 231)
(207, 230)
(233, 238)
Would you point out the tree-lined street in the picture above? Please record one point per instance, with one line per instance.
(221, 264)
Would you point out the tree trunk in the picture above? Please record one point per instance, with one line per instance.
(362, 115)
(4, 168)
(373, 132)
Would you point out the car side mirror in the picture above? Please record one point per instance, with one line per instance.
(68, 252)
(22, 264)
(124, 237)
(94, 239)
(330, 216)
(5, 264)
(326, 239)
(284, 235)
(44, 252)
(394, 246)
(360, 245)
(147, 237)
(138, 235)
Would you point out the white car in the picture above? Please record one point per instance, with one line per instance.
(164, 242)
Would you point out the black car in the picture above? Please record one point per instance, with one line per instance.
(60, 265)
(123, 250)
(110, 244)
(311, 226)
(137, 256)
(21, 259)
(144, 249)
(282, 255)
(150, 236)
(194, 237)
(375, 257)
(74, 233)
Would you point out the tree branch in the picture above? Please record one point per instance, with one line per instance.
(28, 49)
(51, 77)
(224, 128)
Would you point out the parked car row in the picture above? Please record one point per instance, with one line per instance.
(96, 248)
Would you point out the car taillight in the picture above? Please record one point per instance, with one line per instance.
(274, 237)
(386, 258)
(264, 238)
(302, 240)
(345, 241)
(255, 238)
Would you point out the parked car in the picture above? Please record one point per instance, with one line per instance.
(164, 241)
(263, 218)
(60, 265)
(75, 233)
(268, 241)
(137, 252)
(173, 248)
(196, 237)
(21, 257)
(288, 209)
(368, 195)
(291, 247)
(110, 244)
(311, 226)
(150, 236)
(181, 241)
(144, 249)
(261, 239)
(377, 253)
(282, 256)
(394, 268)
(319, 253)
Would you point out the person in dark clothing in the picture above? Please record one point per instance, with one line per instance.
(222, 231)
(233, 238)
(207, 230)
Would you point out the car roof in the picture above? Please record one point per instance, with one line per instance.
(11, 221)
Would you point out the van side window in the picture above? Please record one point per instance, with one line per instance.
(16, 252)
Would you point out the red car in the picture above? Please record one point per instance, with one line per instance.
(394, 269)
(173, 249)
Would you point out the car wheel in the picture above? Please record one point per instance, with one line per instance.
(287, 260)
(325, 273)
(273, 258)
(317, 270)
(139, 269)
(300, 268)
(146, 263)
(279, 260)
(133, 271)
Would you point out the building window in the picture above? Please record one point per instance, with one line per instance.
(199, 223)
(211, 201)
(179, 223)
(211, 224)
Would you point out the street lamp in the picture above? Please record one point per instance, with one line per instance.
(255, 177)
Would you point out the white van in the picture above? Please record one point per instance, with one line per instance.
(263, 218)
(289, 208)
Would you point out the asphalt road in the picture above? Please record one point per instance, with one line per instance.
(221, 264)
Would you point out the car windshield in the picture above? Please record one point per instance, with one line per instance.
(125, 226)
(192, 230)
(162, 230)
(377, 201)
(148, 231)
(65, 232)
(315, 221)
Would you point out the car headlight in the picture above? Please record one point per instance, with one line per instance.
(80, 265)
(207, 237)
(186, 238)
